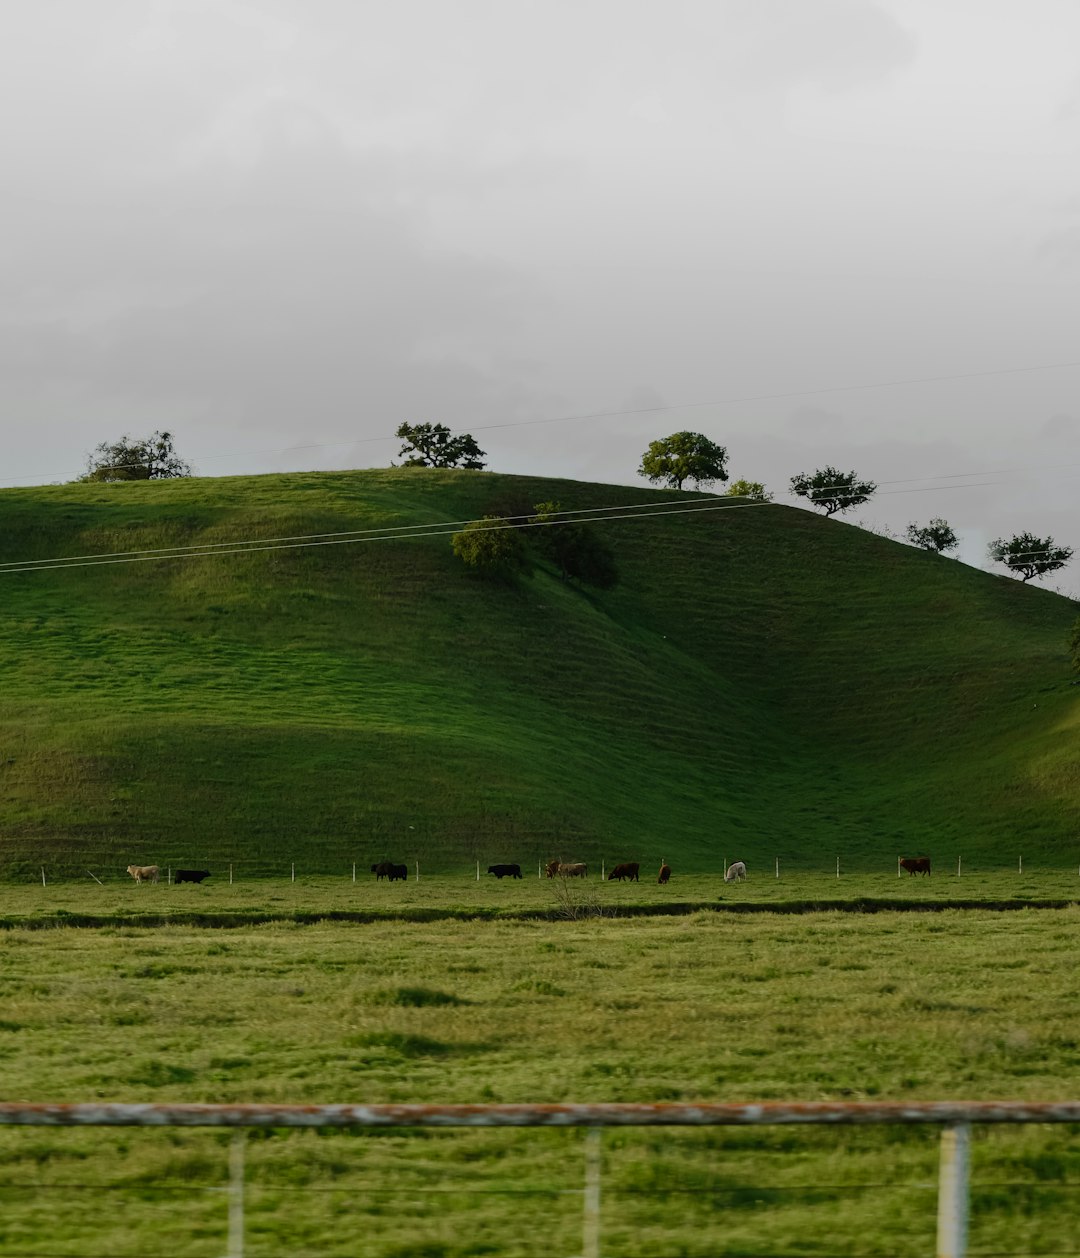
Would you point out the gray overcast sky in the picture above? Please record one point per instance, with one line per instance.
(281, 227)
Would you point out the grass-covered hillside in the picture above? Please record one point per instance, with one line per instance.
(762, 682)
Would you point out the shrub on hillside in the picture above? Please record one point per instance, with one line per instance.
(577, 550)
(492, 546)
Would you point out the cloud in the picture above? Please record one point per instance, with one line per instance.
(834, 45)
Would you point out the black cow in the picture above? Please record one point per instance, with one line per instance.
(399, 871)
(505, 871)
(381, 870)
(191, 875)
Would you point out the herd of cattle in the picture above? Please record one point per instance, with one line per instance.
(628, 872)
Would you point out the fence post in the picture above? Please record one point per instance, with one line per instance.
(236, 1195)
(417, 871)
(230, 875)
(778, 867)
(354, 871)
(477, 871)
(590, 1236)
(43, 875)
(952, 1218)
(294, 871)
(838, 867)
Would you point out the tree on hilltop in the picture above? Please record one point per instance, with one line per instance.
(433, 445)
(937, 536)
(832, 490)
(136, 458)
(681, 457)
(1029, 556)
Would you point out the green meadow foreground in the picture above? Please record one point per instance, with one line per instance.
(705, 1006)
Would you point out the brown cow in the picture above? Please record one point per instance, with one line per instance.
(577, 870)
(629, 870)
(916, 865)
(144, 873)
(665, 872)
(551, 868)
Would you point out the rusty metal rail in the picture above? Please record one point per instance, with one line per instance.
(599, 1114)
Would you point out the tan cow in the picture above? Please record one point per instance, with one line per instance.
(144, 873)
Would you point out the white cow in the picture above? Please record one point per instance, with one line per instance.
(736, 871)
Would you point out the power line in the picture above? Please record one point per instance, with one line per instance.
(635, 511)
(51, 565)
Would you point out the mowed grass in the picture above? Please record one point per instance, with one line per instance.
(761, 679)
(708, 1006)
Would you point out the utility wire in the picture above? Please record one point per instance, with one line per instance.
(194, 550)
(250, 549)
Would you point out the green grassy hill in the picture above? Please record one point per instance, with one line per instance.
(761, 683)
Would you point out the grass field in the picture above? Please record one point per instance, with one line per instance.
(707, 1006)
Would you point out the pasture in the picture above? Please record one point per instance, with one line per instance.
(703, 1006)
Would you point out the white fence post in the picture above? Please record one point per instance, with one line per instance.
(417, 871)
(838, 867)
(230, 875)
(477, 871)
(778, 867)
(958, 867)
(590, 1236)
(43, 875)
(294, 871)
(236, 1195)
(952, 1218)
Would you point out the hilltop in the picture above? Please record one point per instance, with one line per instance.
(762, 682)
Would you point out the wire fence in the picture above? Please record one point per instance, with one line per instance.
(21, 866)
(615, 1207)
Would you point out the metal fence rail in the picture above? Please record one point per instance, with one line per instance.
(956, 1119)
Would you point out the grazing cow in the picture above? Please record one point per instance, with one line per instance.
(551, 868)
(191, 875)
(577, 870)
(629, 870)
(144, 873)
(382, 870)
(736, 872)
(399, 871)
(916, 865)
(505, 871)
(665, 872)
